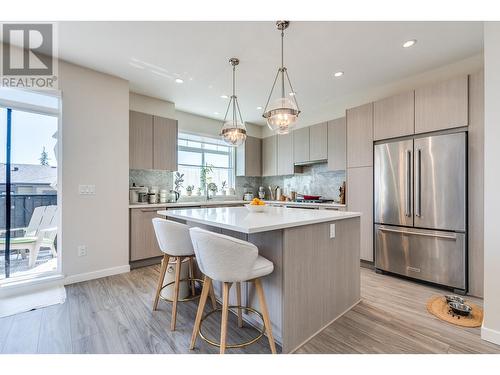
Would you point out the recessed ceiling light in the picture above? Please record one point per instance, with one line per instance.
(338, 74)
(178, 80)
(409, 43)
(216, 113)
(291, 93)
(224, 97)
(259, 108)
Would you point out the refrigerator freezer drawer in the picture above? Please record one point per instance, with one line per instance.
(434, 256)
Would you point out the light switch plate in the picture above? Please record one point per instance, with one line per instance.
(332, 230)
(86, 189)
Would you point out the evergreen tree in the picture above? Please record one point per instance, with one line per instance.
(44, 157)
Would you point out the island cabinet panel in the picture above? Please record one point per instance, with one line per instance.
(359, 192)
(318, 142)
(140, 140)
(143, 243)
(337, 144)
(269, 156)
(285, 155)
(164, 144)
(321, 279)
(301, 145)
(442, 106)
(360, 136)
(394, 116)
(249, 158)
(270, 246)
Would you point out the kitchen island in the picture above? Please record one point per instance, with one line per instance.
(316, 276)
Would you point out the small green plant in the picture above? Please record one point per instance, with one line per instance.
(179, 179)
(190, 188)
(224, 185)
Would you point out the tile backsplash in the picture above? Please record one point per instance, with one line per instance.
(316, 179)
(149, 177)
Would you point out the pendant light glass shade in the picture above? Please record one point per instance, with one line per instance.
(233, 131)
(281, 115)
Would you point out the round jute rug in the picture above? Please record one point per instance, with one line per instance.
(438, 307)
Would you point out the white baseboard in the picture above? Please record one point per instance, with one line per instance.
(96, 274)
(490, 335)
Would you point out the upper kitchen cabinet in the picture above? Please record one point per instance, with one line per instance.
(301, 145)
(442, 106)
(164, 143)
(285, 154)
(337, 144)
(140, 140)
(249, 158)
(394, 116)
(152, 141)
(359, 122)
(318, 142)
(270, 156)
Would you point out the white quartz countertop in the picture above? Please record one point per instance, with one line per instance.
(186, 204)
(239, 219)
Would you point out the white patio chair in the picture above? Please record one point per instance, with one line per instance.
(40, 232)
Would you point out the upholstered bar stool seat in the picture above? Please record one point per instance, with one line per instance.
(229, 260)
(175, 242)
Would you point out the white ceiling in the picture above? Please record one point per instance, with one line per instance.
(151, 55)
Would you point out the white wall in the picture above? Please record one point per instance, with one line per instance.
(491, 324)
(191, 123)
(152, 106)
(335, 108)
(94, 151)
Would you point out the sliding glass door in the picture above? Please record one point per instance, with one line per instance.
(29, 216)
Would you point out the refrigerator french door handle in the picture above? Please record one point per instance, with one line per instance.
(407, 184)
(435, 235)
(418, 175)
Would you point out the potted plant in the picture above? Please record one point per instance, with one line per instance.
(189, 190)
(223, 188)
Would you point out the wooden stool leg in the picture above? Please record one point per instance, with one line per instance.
(212, 296)
(191, 276)
(163, 270)
(265, 314)
(207, 286)
(176, 293)
(225, 310)
(238, 301)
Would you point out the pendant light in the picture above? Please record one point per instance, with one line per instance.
(233, 131)
(283, 112)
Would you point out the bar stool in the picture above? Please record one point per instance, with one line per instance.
(174, 241)
(229, 260)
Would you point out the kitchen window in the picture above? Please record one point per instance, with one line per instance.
(195, 152)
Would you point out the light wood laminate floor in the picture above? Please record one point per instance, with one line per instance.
(113, 315)
(392, 318)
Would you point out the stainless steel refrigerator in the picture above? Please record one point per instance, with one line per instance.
(420, 213)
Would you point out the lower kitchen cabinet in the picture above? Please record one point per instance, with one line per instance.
(359, 192)
(143, 243)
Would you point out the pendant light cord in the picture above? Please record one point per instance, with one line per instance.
(282, 66)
